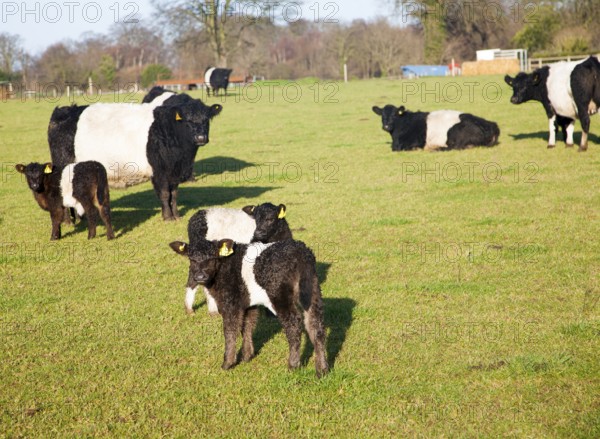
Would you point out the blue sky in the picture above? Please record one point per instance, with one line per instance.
(42, 23)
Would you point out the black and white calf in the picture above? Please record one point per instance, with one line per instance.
(135, 141)
(281, 276)
(263, 223)
(445, 129)
(215, 79)
(567, 90)
(82, 186)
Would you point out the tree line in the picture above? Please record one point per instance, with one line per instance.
(274, 41)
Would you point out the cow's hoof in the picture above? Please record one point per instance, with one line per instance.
(550, 146)
(227, 366)
(569, 145)
(213, 313)
(582, 149)
(189, 311)
(168, 218)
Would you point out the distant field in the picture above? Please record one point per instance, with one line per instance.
(461, 288)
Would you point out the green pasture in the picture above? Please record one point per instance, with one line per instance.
(461, 288)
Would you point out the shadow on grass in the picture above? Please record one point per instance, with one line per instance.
(338, 318)
(131, 210)
(219, 165)
(543, 135)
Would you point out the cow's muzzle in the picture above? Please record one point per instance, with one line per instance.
(201, 139)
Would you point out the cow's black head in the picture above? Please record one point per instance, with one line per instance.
(389, 115)
(190, 119)
(270, 222)
(36, 175)
(525, 86)
(205, 258)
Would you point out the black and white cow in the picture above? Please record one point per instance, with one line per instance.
(567, 90)
(445, 129)
(264, 223)
(82, 186)
(216, 78)
(281, 276)
(135, 141)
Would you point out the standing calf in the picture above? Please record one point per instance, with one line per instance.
(263, 223)
(281, 276)
(82, 186)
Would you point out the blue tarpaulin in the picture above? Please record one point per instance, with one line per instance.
(416, 71)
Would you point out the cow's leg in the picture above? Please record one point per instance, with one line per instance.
(105, 215)
(569, 134)
(247, 330)
(291, 321)
(232, 323)
(164, 195)
(92, 217)
(56, 217)
(67, 216)
(173, 200)
(552, 132)
(584, 117)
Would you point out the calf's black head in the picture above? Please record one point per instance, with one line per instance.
(205, 258)
(270, 220)
(36, 174)
(389, 116)
(190, 119)
(526, 86)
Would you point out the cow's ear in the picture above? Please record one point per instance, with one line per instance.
(215, 109)
(378, 111)
(281, 214)
(20, 168)
(179, 247)
(249, 210)
(48, 168)
(536, 78)
(225, 248)
(508, 80)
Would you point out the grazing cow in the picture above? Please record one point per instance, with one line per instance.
(135, 142)
(216, 78)
(263, 223)
(567, 90)
(281, 276)
(445, 129)
(82, 186)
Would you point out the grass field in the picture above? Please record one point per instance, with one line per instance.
(461, 288)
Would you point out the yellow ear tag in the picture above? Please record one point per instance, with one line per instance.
(281, 213)
(225, 251)
(177, 116)
(182, 247)
(48, 169)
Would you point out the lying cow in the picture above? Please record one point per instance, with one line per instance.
(215, 79)
(135, 141)
(281, 277)
(567, 90)
(444, 129)
(264, 223)
(82, 186)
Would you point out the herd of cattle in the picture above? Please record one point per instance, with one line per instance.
(567, 91)
(247, 257)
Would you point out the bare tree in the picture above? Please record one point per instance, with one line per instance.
(10, 52)
(222, 21)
